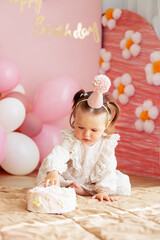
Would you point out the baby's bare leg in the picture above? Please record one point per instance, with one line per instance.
(79, 190)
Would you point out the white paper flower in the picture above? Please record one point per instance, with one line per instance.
(104, 61)
(110, 17)
(146, 113)
(124, 88)
(37, 201)
(61, 202)
(152, 69)
(130, 44)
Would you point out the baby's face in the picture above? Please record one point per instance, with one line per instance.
(89, 127)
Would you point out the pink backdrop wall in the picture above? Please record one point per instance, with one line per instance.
(38, 53)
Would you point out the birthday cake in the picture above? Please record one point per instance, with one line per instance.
(51, 199)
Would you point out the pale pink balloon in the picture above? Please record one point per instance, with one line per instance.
(9, 76)
(54, 98)
(47, 139)
(21, 97)
(3, 143)
(31, 126)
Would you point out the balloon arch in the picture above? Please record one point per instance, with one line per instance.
(26, 132)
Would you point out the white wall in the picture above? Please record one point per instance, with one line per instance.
(112, 4)
(149, 9)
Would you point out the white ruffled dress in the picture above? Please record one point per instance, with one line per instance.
(93, 167)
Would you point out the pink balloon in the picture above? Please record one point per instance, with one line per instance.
(54, 98)
(21, 97)
(31, 126)
(9, 76)
(47, 139)
(3, 143)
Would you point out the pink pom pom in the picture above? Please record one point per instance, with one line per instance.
(101, 83)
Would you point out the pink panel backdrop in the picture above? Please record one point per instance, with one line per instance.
(138, 152)
(36, 36)
(51, 48)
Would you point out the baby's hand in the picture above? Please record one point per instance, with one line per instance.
(52, 179)
(102, 195)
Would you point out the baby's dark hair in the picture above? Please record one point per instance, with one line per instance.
(108, 102)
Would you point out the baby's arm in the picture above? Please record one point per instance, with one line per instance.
(52, 178)
(103, 195)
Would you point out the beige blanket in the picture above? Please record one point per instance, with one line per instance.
(135, 217)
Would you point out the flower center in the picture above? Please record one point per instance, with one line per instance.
(156, 67)
(121, 88)
(101, 61)
(129, 43)
(36, 202)
(144, 116)
(109, 13)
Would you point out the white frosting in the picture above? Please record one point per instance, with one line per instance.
(51, 199)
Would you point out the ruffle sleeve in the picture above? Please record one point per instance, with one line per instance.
(104, 174)
(58, 158)
(68, 138)
(74, 146)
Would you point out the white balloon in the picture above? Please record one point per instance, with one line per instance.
(12, 114)
(22, 154)
(19, 88)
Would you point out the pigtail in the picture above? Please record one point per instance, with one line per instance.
(117, 113)
(112, 108)
(77, 97)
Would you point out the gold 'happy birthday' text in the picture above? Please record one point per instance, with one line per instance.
(64, 31)
(29, 3)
